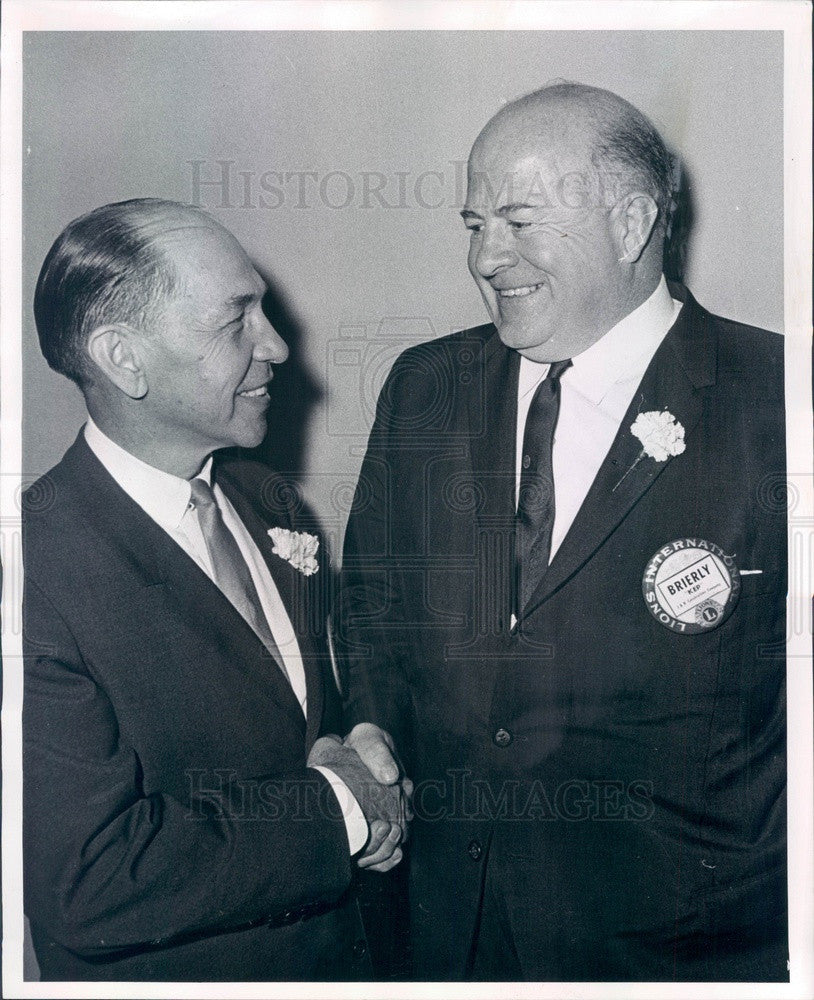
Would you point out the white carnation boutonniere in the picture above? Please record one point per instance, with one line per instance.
(661, 435)
(297, 547)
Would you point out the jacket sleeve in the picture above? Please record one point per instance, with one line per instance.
(109, 867)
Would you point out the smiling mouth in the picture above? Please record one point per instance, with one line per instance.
(520, 292)
(260, 392)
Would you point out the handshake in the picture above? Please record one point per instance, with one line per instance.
(366, 762)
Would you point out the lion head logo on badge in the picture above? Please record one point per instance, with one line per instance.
(691, 585)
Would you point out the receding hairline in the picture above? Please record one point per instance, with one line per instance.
(169, 218)
(115, 263)
(573, 124)
(164, 222)
(566, 107)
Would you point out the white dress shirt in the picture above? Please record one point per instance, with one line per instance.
(166, 499)
(594, 396)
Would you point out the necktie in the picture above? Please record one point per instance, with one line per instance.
(535, 507)
(231, 574)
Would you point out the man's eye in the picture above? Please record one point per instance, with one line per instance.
(518, 224)
(474, 227)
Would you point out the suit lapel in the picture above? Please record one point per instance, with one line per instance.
(683, 365)
(492, 414)
(162, 562)
(292, 587)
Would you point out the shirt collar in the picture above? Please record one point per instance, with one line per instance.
(164, 497)
(622, 354)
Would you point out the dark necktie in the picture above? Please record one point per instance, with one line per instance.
(535, 506)
(231, 573)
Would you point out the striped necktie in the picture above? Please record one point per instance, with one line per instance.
(535, 507)
(230, 571)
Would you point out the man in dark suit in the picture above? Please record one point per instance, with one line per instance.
(564, 585)
(188, 814)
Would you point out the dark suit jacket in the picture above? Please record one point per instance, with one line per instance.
(621, 784)
(171, 827)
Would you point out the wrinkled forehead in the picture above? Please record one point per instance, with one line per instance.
(199, 250)
(183, 232)
(524, 159)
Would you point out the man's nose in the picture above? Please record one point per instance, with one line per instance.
(268, 344)
(495, 251)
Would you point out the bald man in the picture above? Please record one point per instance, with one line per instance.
(564, 584)
(189, 811)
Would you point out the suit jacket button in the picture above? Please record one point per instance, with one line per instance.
(360, 949)
(474, 850)
(503, 737)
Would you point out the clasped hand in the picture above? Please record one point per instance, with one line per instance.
(366, 761)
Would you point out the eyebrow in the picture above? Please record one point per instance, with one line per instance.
(241, 301)
(514, 206)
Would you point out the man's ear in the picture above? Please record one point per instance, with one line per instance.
(116, 351)
(636, 216)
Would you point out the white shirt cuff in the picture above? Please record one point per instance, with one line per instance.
(355, 822)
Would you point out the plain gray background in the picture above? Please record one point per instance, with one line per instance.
(360, 275)
(344, 154)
